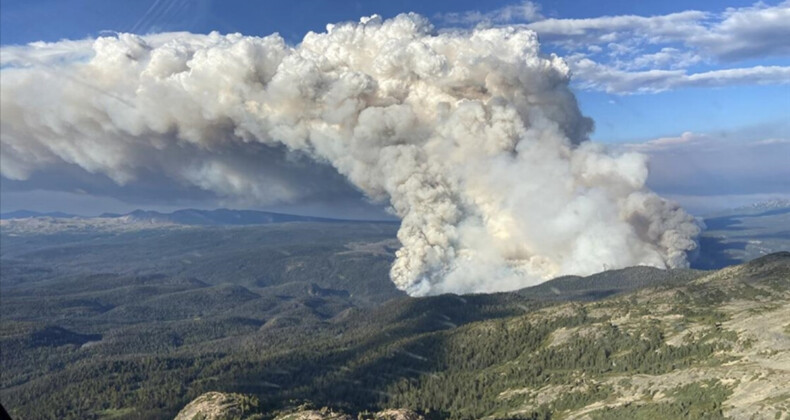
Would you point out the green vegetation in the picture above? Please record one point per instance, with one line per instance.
(301, 320)
(694, 401)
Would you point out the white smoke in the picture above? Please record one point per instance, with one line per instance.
(474, 138)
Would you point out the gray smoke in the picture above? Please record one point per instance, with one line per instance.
(473, 138)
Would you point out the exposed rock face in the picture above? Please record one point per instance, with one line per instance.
(327, 414)
(220, 406)
(322, 414)
(710, 344)
(399, 414)
(223, 406)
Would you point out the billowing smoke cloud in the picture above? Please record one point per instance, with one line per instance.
(473, 138)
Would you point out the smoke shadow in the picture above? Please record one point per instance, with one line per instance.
(715, 253)
(731, 222)
(359, 374)
(380, 354)
(724, 223)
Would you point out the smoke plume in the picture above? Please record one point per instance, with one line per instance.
(473, 138)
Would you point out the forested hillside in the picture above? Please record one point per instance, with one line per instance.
(316, 326)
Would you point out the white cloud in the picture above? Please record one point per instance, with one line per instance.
(750, 32)
(736, 33)
(592, 75)
(526, 11)
(577, 33)
(50, 53)
(645, 54)
(594, 49)
(666, 58)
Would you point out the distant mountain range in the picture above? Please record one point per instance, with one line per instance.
(256, 217)
(778, 203)
(27, 214)
(730, 237)
(183, 217)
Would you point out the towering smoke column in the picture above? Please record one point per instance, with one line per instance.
(474, 138)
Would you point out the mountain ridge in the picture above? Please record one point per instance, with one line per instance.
(634, 361)
(191, 217)
(651, 346)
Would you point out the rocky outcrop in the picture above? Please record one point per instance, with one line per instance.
(399, 414)
(225, 406)
(328, 414)
(323, 414)
(220, 406)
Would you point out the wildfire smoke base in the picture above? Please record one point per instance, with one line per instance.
(473, 137)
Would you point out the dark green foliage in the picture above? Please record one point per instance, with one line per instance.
(57, 336)
(139, 324)
(702, 400)
(607, 283)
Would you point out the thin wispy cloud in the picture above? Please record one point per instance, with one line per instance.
(735, 34)
(592, 75)
(526, 11)
(161, 14)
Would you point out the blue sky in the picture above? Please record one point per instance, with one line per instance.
(714, 70)
(26, 21)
